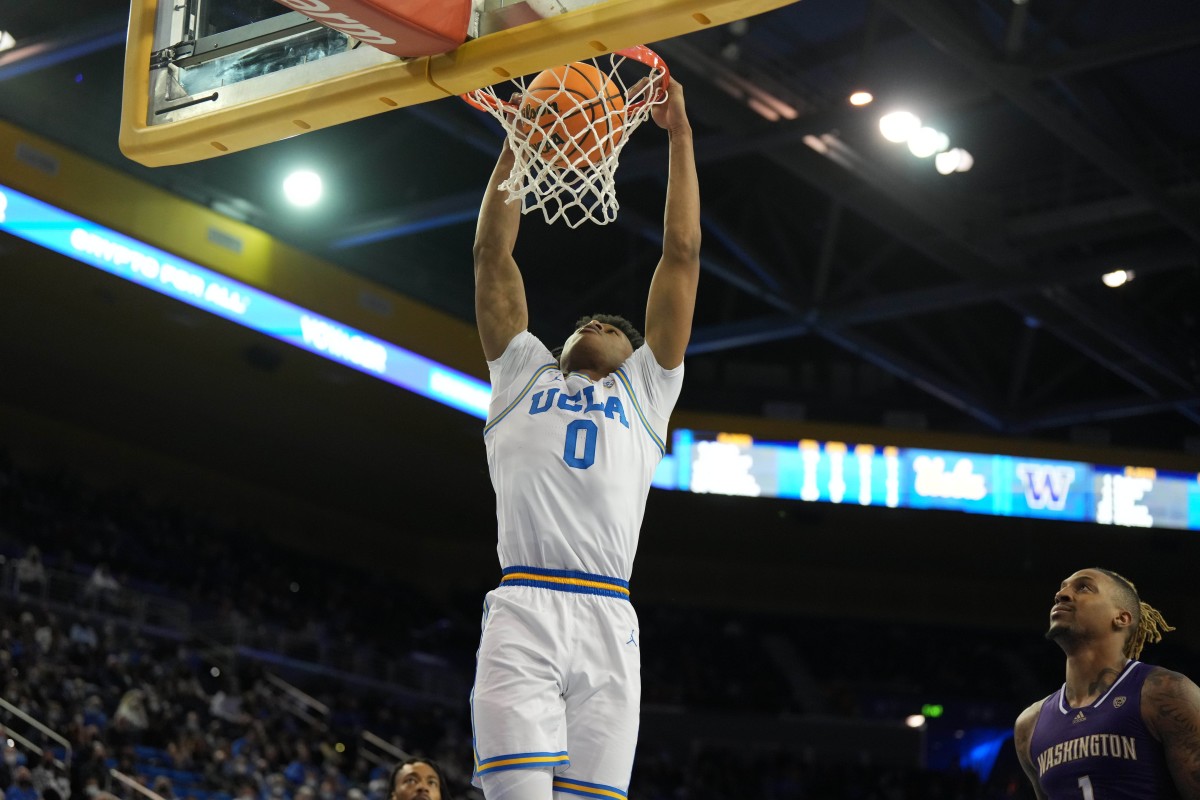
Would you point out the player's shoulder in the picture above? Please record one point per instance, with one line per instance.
(644, 360)
(1170, 704)
(1023, 729)
(1164, 688)
(1028, 718)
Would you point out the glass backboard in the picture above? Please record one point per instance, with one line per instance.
(209, 77)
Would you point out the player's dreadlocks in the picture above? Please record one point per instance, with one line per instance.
(1149, 625)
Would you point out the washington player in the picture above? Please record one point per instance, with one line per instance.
(1117, 729)
(572, 445)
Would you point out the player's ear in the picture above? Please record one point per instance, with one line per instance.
(1123, 620)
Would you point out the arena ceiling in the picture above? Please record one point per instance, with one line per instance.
(844, 280)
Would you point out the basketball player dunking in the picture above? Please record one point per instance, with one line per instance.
(572, 445)
(1118, 729)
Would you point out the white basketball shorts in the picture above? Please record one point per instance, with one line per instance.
(558, 680)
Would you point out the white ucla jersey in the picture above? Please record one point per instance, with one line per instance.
(572, 460)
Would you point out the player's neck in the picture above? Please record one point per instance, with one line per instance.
(1091, 670)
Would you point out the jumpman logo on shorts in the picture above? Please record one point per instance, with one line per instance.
(632, 640)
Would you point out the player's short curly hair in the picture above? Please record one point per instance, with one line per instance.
(625, 326)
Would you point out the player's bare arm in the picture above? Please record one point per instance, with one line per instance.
(1171, 710)
(500, 309)
(1022, 734)
(672, 298)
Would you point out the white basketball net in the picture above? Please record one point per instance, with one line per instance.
(573, 178)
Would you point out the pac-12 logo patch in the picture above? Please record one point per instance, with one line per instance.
(1118, 701)
(609, 383)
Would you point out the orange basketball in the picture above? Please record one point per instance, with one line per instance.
(575, 113)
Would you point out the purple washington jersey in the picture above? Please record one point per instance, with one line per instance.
(1101, 751)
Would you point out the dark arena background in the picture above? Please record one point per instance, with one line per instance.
(236, 568)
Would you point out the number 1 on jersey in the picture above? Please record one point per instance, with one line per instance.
(1085, 783)
(571, 447)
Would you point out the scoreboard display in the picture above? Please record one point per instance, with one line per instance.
(902, 477)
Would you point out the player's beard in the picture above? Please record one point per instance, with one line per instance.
(1065, 636)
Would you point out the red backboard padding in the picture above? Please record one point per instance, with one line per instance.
(406, 28)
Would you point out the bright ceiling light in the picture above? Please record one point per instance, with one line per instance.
(1118, 277)
(861, 98)
(303, 188)
(914, 720)
(899, 125)
(954, 160)
(7, 42)
(926, 141)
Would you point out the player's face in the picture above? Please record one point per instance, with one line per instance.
(417, 782)
(597, 346)
(1084, 606)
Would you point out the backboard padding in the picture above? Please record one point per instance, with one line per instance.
(364, 81)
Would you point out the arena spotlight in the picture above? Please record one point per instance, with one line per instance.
(953, 160)
(926, 141)
(215, 672)
(861, 98)
(7, 42)
(303, 188)
(1118, 277)
(915, 720)
(897, 126)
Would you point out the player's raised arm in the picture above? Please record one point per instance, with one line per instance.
(1022, 733)
(673, 289)
(1171, 709)
(500, 309)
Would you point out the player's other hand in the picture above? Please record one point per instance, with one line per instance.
(672, 115)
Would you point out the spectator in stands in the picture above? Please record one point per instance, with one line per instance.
(132, 710)
(83, 636)
(163, 788)
(89, 768)
(102, 587)
(418, 779)
(301, 767)
(47, 777)
(22, 786)
(8, 764)
(31, 573)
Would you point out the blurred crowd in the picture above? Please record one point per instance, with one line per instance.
(192, 718)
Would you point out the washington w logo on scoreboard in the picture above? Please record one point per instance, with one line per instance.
(1046, 485)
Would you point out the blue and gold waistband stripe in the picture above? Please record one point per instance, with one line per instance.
(585, 789)
(522, 761)
(566, 580)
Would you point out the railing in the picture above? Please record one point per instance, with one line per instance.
(302, 704)
(416, 675)
(132, 783)
(393, 754)
(61, 766)
(41, 728)
(77, 595)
